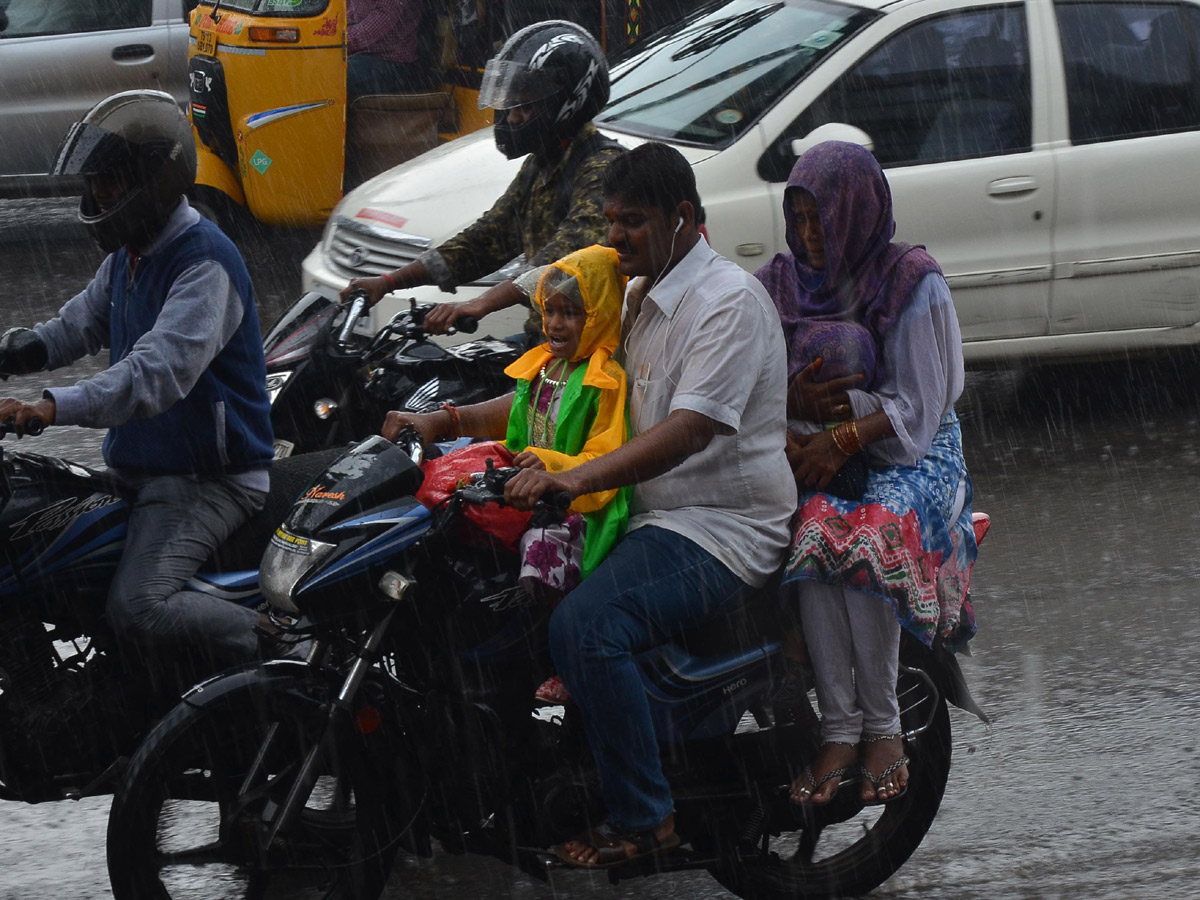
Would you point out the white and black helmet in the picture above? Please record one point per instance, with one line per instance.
(144, 138)
(557, 70)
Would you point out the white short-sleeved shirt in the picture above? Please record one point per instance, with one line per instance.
(708, 339)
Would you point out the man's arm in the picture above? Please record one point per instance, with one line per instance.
(655, 451)
(200, 315)
(81, 326)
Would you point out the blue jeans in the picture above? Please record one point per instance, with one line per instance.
(654, 585)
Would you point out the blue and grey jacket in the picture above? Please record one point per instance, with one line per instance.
(185, 391)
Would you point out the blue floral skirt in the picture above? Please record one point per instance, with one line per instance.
(898, 542)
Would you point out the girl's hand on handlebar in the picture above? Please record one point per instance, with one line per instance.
(527, 459)
(528, 486)
(815, 459)
(17, 415)
(430, 425)
(374, 287)
(820, 401)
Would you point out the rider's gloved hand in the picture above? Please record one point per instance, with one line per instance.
(22, 351)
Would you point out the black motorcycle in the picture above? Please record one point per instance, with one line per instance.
(414, 719)
(72, 709)
(330, 385)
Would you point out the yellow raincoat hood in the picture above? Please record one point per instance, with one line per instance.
(602, 288)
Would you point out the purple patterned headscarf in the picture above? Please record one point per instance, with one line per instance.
(867, 278)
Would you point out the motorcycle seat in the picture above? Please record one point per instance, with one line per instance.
(744, 628)
(244, 548)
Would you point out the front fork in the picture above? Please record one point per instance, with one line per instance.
(281, 819)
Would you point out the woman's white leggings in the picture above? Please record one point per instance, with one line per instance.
(854, 644)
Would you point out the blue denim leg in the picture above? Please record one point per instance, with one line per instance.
(654, 585)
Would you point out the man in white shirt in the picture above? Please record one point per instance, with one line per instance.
(712, 495)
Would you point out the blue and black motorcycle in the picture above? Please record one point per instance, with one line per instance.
(413, 718)
(71, 711)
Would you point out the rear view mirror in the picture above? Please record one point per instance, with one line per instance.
(833, 131)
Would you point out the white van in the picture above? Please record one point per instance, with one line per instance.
(1046, 152)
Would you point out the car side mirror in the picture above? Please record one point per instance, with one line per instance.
(832, 131)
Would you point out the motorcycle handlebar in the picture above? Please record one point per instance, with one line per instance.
(465, 325)
(359, 304)
(33, 426)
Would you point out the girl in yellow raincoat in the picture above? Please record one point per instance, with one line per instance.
(569, 407)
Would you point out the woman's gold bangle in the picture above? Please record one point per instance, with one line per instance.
(840, 439)
(845, 436)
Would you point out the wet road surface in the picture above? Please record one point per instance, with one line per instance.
(1086, 657)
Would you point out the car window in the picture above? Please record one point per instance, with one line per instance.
(951, 87)
(1131, 69)
(27, 18)
(291, 8)
(707, 81)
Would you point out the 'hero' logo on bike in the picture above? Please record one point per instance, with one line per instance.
(59, 515)
(736, 686)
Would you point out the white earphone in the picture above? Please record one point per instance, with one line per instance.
(678, 225)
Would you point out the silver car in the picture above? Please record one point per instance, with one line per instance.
(58, 58)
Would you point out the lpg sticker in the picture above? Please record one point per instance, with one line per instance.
(261, 162)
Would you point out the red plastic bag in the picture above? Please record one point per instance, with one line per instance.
(446, 474)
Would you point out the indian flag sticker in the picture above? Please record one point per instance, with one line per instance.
(261, 162)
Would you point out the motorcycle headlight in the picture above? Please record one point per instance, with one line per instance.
(287, 560)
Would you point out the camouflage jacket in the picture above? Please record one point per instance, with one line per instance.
(539, 216)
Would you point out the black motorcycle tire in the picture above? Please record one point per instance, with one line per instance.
(873, 858)
(195, 755)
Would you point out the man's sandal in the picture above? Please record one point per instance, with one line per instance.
(610, 845)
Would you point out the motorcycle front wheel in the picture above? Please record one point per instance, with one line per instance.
(189, 817)
(848, 858)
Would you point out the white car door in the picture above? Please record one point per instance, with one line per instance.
(58, 58)
(952, 96)
(1127, 234)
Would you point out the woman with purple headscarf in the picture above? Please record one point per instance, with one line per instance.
(900, 556)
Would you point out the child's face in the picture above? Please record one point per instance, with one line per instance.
(563, 323)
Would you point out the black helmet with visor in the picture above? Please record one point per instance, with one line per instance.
(142, 141)
(557, 71)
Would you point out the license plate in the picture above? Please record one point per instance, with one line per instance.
(206, 43)
(283, 449)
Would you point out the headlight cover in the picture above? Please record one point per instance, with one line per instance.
(287, 560)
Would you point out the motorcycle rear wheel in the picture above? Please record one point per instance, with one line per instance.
(787, 869)
(184, 821)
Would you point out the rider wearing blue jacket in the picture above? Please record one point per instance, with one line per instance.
(184, 397)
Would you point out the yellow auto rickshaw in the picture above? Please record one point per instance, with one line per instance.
(267, 83)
